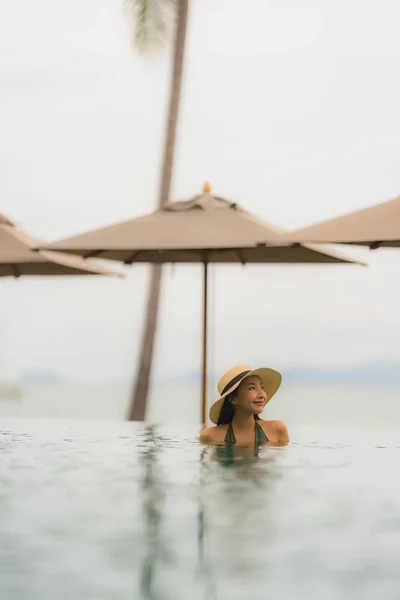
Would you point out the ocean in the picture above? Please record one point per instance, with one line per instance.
(93, 507)
(171, 402)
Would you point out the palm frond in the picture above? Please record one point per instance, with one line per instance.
(152, 22)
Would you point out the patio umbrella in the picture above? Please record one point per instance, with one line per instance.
(205, 229)
(18, 257)
(374, 226)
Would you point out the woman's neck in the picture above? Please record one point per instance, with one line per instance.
(243, 420)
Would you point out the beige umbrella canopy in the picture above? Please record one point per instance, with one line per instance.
(374, 226)
(206, 229)
(18, 257)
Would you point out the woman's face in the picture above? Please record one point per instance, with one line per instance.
(251, 395)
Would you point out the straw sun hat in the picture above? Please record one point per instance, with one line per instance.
(233, 378)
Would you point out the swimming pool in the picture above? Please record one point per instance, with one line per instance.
(121, 510)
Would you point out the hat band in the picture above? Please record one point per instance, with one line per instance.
(234, 381)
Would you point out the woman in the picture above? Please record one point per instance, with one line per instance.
(244, 392)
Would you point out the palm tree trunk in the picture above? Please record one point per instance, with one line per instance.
(137, 411)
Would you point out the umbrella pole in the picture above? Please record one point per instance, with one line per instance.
(204, 371)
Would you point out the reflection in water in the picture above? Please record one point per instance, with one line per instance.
(225, 483)
(235, 482)
(256, 464)
(132, 511)
(153, 491)
(205, 563)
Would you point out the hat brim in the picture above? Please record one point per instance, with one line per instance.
(271, 381)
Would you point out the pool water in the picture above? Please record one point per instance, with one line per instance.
(114, 510)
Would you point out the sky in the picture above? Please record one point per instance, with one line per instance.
(289, 108)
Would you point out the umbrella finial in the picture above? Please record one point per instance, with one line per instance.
(206, 188)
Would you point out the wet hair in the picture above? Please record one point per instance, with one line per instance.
(227, 411)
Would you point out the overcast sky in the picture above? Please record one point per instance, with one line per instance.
(290, 107)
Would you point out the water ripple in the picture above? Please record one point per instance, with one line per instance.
(135, 511)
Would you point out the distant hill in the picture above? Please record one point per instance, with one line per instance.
(39, 376)
(382, 373)
(371, 373)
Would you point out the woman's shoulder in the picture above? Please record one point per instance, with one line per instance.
(275, 424)
(213, 434)
(276, 429)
